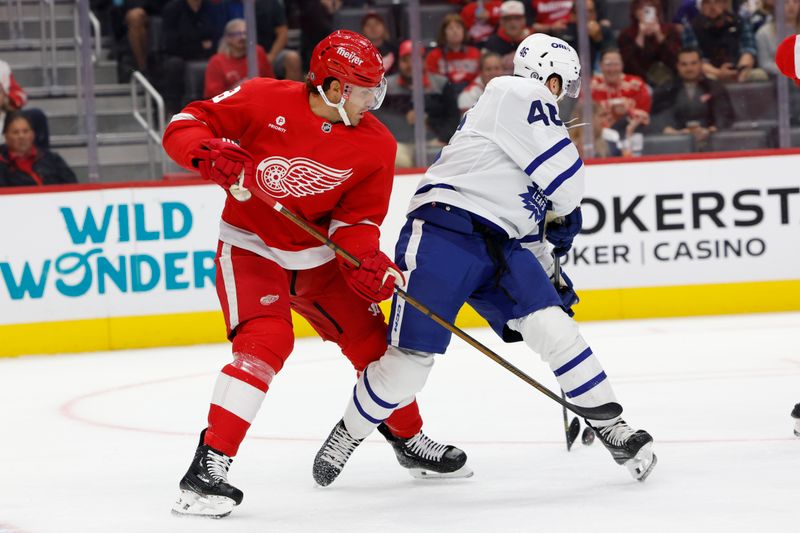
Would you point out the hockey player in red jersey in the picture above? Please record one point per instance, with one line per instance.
(316, 147)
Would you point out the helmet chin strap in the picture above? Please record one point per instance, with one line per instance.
(339, 106)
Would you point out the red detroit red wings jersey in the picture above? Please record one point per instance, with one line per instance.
(330, 174)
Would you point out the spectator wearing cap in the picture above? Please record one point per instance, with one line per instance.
(451, 57)
(491, 66)
(397, 111)
(625, 97)
(22, 163)
(726, 42)
(373, 26)
(511, 32)
(649, 45)
(228, 67)
(481, 18)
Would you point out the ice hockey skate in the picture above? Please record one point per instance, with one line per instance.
(205, 490)
(630, 448)
(333, 455)
(796, 416)
(427, 459)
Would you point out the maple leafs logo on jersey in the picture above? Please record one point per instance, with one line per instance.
(298, 176)
(535, 201)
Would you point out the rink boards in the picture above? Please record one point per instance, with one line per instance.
(97, 268)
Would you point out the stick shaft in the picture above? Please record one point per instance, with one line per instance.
(603, 412)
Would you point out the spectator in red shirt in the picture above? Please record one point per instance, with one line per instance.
(552, 16)
(21, 163)
(373, 27)
(511, 32)
(452, 58)
(650, 46)
(228, 67)
(626, 97)
(481, 19)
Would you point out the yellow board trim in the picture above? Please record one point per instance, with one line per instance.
(121, 333)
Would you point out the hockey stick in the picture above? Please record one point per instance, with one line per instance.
(571, 429)
(602, 412)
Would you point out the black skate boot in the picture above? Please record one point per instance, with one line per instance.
(630, 448)
(427, 459)
(333, 455)
(796, 416)
(205, 490)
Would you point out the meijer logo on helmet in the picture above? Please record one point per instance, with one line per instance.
(350, 56)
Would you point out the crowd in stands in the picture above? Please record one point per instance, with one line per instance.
(662, 68)
(25, 158)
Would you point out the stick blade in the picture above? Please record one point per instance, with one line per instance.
(607, 411)
(572, 433)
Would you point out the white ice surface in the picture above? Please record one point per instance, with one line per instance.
(97, 442)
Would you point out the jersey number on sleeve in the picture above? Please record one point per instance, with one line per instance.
(537, 113)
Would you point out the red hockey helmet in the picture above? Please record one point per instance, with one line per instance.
(347, 56)
(350, 58)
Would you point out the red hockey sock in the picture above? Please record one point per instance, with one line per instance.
(405, 422)
(234, 404)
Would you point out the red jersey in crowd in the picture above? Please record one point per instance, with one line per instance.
(480, 30)
(551, 11)
(224, 72)
(632, 89)
(459, 66)
(329, 174)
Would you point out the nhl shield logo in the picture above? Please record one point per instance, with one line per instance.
(326, 127)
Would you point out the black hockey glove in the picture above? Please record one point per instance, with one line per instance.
(563, 230)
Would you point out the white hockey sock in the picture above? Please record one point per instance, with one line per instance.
(554, 335)
(385, 385)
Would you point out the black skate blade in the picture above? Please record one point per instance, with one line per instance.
(607, 411)
(572, 433)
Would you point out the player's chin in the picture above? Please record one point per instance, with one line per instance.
(357, 117)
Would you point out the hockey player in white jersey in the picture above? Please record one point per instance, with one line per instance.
(508, 164)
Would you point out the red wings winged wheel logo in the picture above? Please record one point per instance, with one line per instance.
(298, 176)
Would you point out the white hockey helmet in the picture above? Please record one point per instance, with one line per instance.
(539, 56)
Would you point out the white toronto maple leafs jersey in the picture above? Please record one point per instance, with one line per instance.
(510, 160)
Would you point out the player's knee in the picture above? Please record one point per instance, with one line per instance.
(399, 374)
(363, 349)
(265, 339)
(548, 332)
